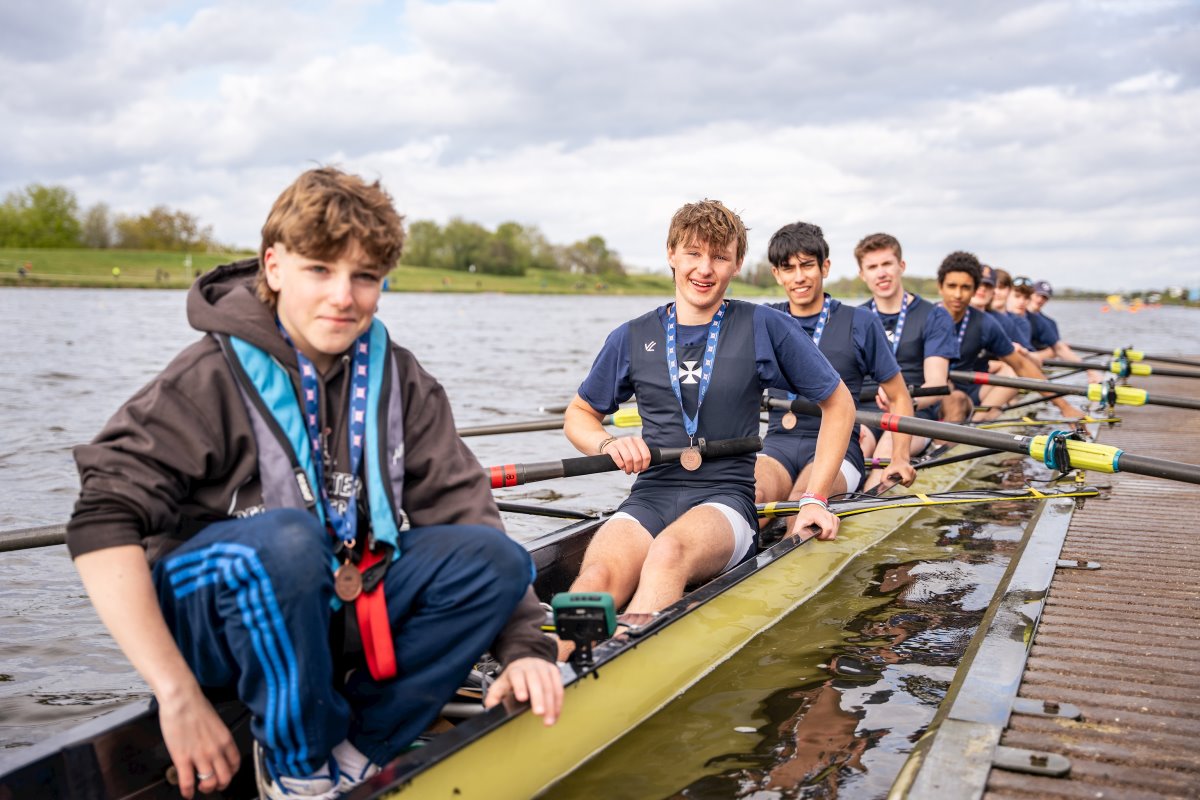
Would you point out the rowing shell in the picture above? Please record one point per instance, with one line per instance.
(508, 752)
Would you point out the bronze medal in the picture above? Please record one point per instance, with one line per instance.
(690, 459)
(347, 582)
(789, 421)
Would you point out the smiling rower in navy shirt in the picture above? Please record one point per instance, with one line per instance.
(855, 344)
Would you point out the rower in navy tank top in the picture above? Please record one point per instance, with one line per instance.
(853, 341)
(923, 340)
(698, 367)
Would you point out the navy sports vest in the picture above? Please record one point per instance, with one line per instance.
(837, 345)
(911, 353)
(730, 408)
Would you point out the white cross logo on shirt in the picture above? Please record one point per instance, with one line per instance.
(689, 373)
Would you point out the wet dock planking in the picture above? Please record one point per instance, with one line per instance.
(1122, 643)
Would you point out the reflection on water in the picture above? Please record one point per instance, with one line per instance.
(863, 671)
(830, 702)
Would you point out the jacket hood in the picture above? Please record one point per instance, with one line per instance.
(223, 301)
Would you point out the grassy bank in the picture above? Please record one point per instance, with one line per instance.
(144, 269)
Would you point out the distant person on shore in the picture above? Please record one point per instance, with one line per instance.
(853, 340)
(984, 352)
(922, 338)
(698, 366)
(289, 483)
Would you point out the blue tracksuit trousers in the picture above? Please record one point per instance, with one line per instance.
(248, 601)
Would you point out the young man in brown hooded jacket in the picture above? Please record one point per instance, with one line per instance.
(288, 504)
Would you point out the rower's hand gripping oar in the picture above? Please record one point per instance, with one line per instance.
(1056, 450)
(518, 474)
(1104, 394)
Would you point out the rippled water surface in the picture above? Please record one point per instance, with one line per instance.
(71, 357)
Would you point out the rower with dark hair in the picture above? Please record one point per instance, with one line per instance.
(855, 344)
(967, 287)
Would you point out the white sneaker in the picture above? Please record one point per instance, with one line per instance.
(322, 785)
(353, 767)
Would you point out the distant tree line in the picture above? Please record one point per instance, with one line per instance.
(512, 249)
(49, 216)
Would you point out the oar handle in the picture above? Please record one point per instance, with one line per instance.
(518, 474)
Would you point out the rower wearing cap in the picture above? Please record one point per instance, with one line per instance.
(922, 339)
(983, 301)
(855, 344)
(1047, 341)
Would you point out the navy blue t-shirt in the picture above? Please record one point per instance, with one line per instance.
(938, 338)
(1044, 333)
(1011, 325)
(871, 357)
(983, 339)
(783, 358)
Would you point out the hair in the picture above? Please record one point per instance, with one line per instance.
(325, 212)
(877, 241)
(960, 261)
(798, 237)
(710, 222)
(1003, 279)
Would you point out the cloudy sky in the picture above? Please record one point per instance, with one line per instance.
(1058, 139)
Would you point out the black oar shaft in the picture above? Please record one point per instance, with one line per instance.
(1113, 351)
(518, 474)
(987, 379)
(551, 424)
(914, 391)
(1084, 455)
(1135, 368)
(33, 537)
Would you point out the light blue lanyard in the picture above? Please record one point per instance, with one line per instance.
(691, 424)
(345, 526)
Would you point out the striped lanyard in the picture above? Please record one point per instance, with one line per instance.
(822, 321)
(341, 522)
(899, 331)
(691, 424)
(962, 327)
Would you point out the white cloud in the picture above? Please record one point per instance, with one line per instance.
(1016, 131)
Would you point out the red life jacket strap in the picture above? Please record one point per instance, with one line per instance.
(373, 624)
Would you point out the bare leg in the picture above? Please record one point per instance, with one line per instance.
(611, 564)
(771, 483)
(694, 547)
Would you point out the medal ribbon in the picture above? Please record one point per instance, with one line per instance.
(822, 321)
(690, 424)
(344, 526)
(899, 330)
(962, 327)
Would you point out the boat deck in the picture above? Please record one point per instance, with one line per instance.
(1122, 643)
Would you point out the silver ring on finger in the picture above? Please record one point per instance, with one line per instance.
(203, 776)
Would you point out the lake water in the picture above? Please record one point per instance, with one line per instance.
(71, 357)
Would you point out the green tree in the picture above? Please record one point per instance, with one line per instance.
(465, 242)
(425, 246)
(40, 216)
